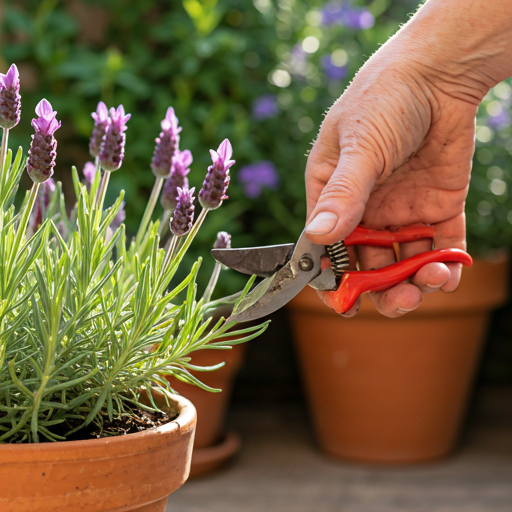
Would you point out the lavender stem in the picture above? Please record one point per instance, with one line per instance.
(153, 198)
(22, 227)
(212, 283)
(3, 150)
(103, 189)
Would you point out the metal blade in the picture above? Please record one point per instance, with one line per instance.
(262, 261)
(276, 291)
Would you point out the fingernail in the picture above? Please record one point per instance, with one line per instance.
(322, 224)
(402, 310)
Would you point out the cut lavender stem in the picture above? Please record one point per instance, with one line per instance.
(178, 178)
(43, 148)
(112, 148)
(10, 99)
(216, 182)
(166, 145)
(223, 241)
(101, 122)
(183, 218)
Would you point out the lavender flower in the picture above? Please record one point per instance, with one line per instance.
(43, 148)
(255, 177)
(223, 240)
(333, 71)
(166, 145)
(112, 147)
(217, 178)
(181, 222)
(264, 107)
(89, 172)
(10, 99)
(181, 160)
(101, 122)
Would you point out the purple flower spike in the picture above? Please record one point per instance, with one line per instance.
(10, 99)
(183, 218)
(223, 240)
(217, 178)
(101, 122)
(166, 145)
(255, 177)
(43, 148)
(178, 178)
(112, 147)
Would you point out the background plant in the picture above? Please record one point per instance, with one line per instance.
(259, 72)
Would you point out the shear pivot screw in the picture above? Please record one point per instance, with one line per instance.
(306, 263)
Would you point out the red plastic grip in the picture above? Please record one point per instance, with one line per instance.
(354, 283)
(380, 238)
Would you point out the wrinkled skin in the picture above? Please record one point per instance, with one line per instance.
(396, 149)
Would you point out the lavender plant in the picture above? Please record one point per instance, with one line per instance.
(87, 320)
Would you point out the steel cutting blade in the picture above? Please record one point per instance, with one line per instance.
(262, 261)
(276, 291)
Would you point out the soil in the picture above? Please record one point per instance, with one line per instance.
(137, 421)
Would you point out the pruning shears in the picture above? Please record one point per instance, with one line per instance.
(288, 268)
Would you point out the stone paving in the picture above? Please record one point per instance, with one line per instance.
(280, 470)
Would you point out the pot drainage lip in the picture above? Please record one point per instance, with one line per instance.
(205, 460)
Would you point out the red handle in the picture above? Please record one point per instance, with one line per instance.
(380, 238)
(354, 283)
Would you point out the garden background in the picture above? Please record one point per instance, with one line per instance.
(260, 72)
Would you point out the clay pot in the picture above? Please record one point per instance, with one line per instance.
(396, 390)
(131, 473)
(213, 446)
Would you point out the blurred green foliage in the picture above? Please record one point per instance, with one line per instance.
(210, 60)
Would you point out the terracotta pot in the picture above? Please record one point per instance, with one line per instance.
(135, 472)
(395, 390)
(212, 446)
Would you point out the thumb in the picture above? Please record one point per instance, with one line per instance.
(337, 195)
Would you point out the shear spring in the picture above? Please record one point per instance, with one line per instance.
(338, 255)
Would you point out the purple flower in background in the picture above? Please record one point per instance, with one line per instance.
(255, 177)
(41, 205)
(223, 240)
(10, 99)
(265, 106)
(181, 222)
(178, 178)
(499, 121)
(331, 70)
(43, 148)
(297, 60)
(166, 144)
(119, 218)
(213, 191)
(112, 147)
(101, 122)
(89, 172)
(359, 19)
(342, 13)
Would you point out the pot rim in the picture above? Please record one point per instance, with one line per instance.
(186, 415)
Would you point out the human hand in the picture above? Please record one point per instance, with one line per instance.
(396, 148)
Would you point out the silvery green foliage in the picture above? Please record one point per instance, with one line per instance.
(85, 323)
